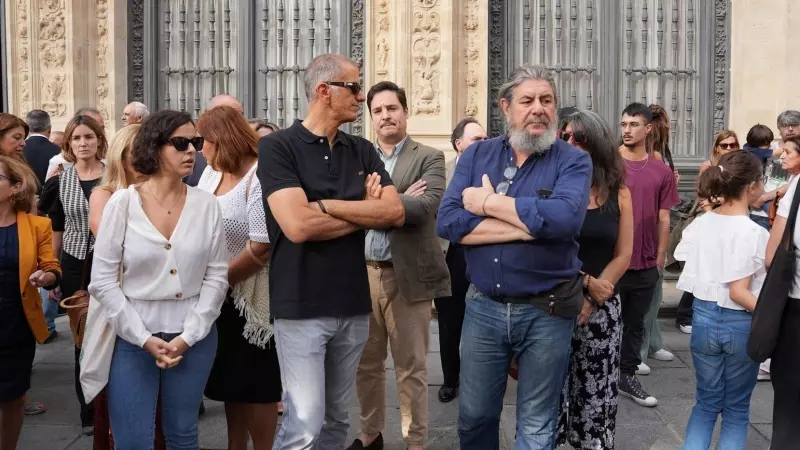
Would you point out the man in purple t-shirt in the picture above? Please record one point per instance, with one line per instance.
(653, 193)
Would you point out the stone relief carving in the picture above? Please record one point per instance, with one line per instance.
(472, 56)
(357, 53)
(102, 57)
(23, 43)
(721, 64)
(496, 63)
(381, 35)
(136, 49)
(52, 55)
(426, 51)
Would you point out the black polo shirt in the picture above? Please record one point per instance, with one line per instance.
(323, 278)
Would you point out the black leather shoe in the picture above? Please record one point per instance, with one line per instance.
(447, 394)
(377, 444)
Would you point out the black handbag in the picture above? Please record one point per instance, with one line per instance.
(767, 316)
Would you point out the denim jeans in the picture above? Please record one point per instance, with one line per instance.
(493, 333)
(135, 383)
(726, 376)
(318, 359)
(50, 308)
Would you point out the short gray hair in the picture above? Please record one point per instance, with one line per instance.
(525, 73)
(140, 109)
(789, 117)
(38, 121)
(326, 67)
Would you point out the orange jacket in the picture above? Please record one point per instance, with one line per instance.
(35, 253)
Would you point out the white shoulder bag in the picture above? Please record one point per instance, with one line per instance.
(98, 343)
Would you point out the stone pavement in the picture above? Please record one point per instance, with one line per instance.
(660, 428)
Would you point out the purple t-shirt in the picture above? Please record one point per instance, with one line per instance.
(652, 186)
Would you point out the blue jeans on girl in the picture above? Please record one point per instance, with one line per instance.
(135, 383)
(726, 376)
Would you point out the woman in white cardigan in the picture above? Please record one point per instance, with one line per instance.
(170, 242)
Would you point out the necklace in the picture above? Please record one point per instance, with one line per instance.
(646, 160)
(169, 210)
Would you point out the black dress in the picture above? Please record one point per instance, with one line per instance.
(589, 400)
(17, 343)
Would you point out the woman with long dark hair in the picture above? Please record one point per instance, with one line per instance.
(589, 407)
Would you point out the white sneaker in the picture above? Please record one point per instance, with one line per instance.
(763, 375)
(686, 329)
(662, 355)
(643, 369)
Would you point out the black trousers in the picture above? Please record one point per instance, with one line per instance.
(72, 269)
(636, 290)
(685, 309)
(451, 315)
(783, 370)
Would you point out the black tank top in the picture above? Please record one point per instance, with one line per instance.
(598, 236)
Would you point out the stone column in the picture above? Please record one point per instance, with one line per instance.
(65, 55)
(436, 50)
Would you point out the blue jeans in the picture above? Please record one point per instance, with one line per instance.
(135, 382)
(726, 376)
(492, 334)
(50, 308)
(318, 360)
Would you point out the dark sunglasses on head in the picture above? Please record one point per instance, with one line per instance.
(729, 146)
(181, 144)
(354, 87)
(577, 135)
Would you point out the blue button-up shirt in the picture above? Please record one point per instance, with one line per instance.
(519, 269)
(376, 246)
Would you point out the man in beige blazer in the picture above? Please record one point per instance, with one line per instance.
(407, 271)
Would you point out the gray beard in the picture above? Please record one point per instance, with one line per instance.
(524, 142)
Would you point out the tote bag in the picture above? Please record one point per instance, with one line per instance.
(767, 316)
(98, 343)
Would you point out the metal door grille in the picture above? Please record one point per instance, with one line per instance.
(609, 53)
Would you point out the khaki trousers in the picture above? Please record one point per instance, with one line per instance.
(405, 327)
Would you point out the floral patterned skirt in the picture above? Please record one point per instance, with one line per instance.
(588, 415)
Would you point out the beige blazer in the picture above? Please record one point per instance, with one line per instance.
(418, 260)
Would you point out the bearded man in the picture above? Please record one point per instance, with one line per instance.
(517, 203)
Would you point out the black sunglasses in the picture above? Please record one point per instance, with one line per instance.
(181, 144)
(354, 87)
(578, 135)
(729, 146)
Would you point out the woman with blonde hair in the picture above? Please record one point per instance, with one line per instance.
(27, 263)
(725, 142)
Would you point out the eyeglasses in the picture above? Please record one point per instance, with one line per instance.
(354, 87)
(181, 144)
(504, 186)
(729, 146)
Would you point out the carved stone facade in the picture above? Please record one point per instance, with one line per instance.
(67, 54)
(436, 50)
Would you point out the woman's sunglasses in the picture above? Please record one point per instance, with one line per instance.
(354, 87)
(729, 146)
(577, 135)
(181, 144)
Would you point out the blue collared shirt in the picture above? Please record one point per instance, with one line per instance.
(376, 246)
(519, 269)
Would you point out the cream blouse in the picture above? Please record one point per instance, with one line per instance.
(172, 285)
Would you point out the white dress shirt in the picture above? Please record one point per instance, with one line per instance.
(174, 285)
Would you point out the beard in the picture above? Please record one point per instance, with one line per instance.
(525, 142)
